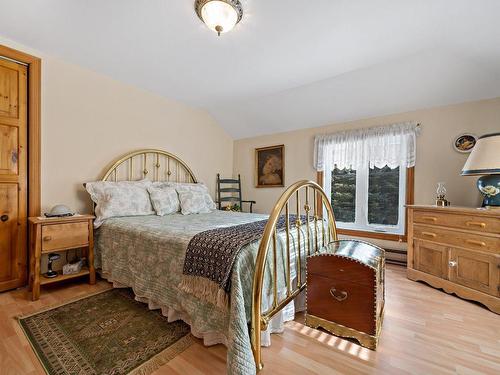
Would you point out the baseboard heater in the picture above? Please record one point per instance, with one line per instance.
(394, 256)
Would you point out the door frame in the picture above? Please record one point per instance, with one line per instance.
(34, 125)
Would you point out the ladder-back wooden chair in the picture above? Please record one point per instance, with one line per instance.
(229, 191)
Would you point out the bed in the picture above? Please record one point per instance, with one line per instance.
(146, 253)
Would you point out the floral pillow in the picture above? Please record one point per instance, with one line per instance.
(195, 200)
(124, 198)
(164, 199)
(198, 187)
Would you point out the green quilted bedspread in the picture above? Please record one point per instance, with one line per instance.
(147, 254)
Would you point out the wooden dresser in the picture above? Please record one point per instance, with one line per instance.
(456, 249)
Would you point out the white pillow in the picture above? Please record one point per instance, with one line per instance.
(200, 187)
(123, 198)
(164, 199)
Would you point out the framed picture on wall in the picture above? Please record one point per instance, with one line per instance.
(270, 166)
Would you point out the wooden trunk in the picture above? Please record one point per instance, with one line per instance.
(345, 290)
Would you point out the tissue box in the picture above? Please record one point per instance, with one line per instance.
(71, 268)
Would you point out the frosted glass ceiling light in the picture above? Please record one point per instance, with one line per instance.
(219, 15)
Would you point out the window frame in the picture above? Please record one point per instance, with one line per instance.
(410, 181)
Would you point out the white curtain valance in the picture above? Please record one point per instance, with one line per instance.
(392, 145)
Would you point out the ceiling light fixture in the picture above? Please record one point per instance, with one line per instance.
(219, 15)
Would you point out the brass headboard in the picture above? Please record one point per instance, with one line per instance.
(157, 165)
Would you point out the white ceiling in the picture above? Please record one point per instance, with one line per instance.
(288, 64)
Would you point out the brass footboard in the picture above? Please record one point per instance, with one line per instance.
(301, 191)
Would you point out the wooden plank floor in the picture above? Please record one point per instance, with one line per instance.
(425, 331)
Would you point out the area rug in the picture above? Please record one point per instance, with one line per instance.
(106, 334)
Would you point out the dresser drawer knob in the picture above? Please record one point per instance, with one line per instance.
(429, 234)
(47, 238)
(4, 218)
(452, 263)
(339, 295)
(475, 242)
(475, 224)
(429, 218)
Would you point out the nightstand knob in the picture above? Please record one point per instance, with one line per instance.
(452, 263)
(47, 238)
(4, 218)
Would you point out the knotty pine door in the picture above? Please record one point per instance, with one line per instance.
(13, 174)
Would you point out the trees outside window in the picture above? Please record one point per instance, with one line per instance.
(369, 199)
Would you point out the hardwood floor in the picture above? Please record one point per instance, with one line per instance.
(425, 331)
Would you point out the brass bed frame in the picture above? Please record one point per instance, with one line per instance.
(139, 164)
(165, 166)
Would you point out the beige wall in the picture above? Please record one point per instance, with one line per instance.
(89, 119)
(436, 159)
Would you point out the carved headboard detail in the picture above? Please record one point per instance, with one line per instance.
(156, 165)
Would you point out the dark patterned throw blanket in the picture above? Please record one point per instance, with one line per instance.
(211, 254)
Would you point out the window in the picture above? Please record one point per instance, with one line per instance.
(383, 196)
(343, 194)
(369, 199)
(368, 174)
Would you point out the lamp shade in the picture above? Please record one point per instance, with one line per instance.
(485, 157)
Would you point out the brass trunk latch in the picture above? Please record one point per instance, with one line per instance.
(340, 296)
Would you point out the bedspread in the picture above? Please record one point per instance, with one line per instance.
(147, 254)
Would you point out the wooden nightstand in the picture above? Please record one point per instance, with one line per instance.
(49, 235)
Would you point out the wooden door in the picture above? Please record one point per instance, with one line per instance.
(430, 258)
(479, 271)
(13, 174)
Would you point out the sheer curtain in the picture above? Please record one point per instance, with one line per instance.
(392, 145)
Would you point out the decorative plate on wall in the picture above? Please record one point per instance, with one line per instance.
(465, 142)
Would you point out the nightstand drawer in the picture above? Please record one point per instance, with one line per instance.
(63, 236)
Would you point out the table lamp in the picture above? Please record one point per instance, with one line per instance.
(50, 272)
(484, 161)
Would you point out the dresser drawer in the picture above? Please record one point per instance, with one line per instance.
(468, 222)
(62, 236)
(456, 238)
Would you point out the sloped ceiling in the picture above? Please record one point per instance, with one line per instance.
(288, 65)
